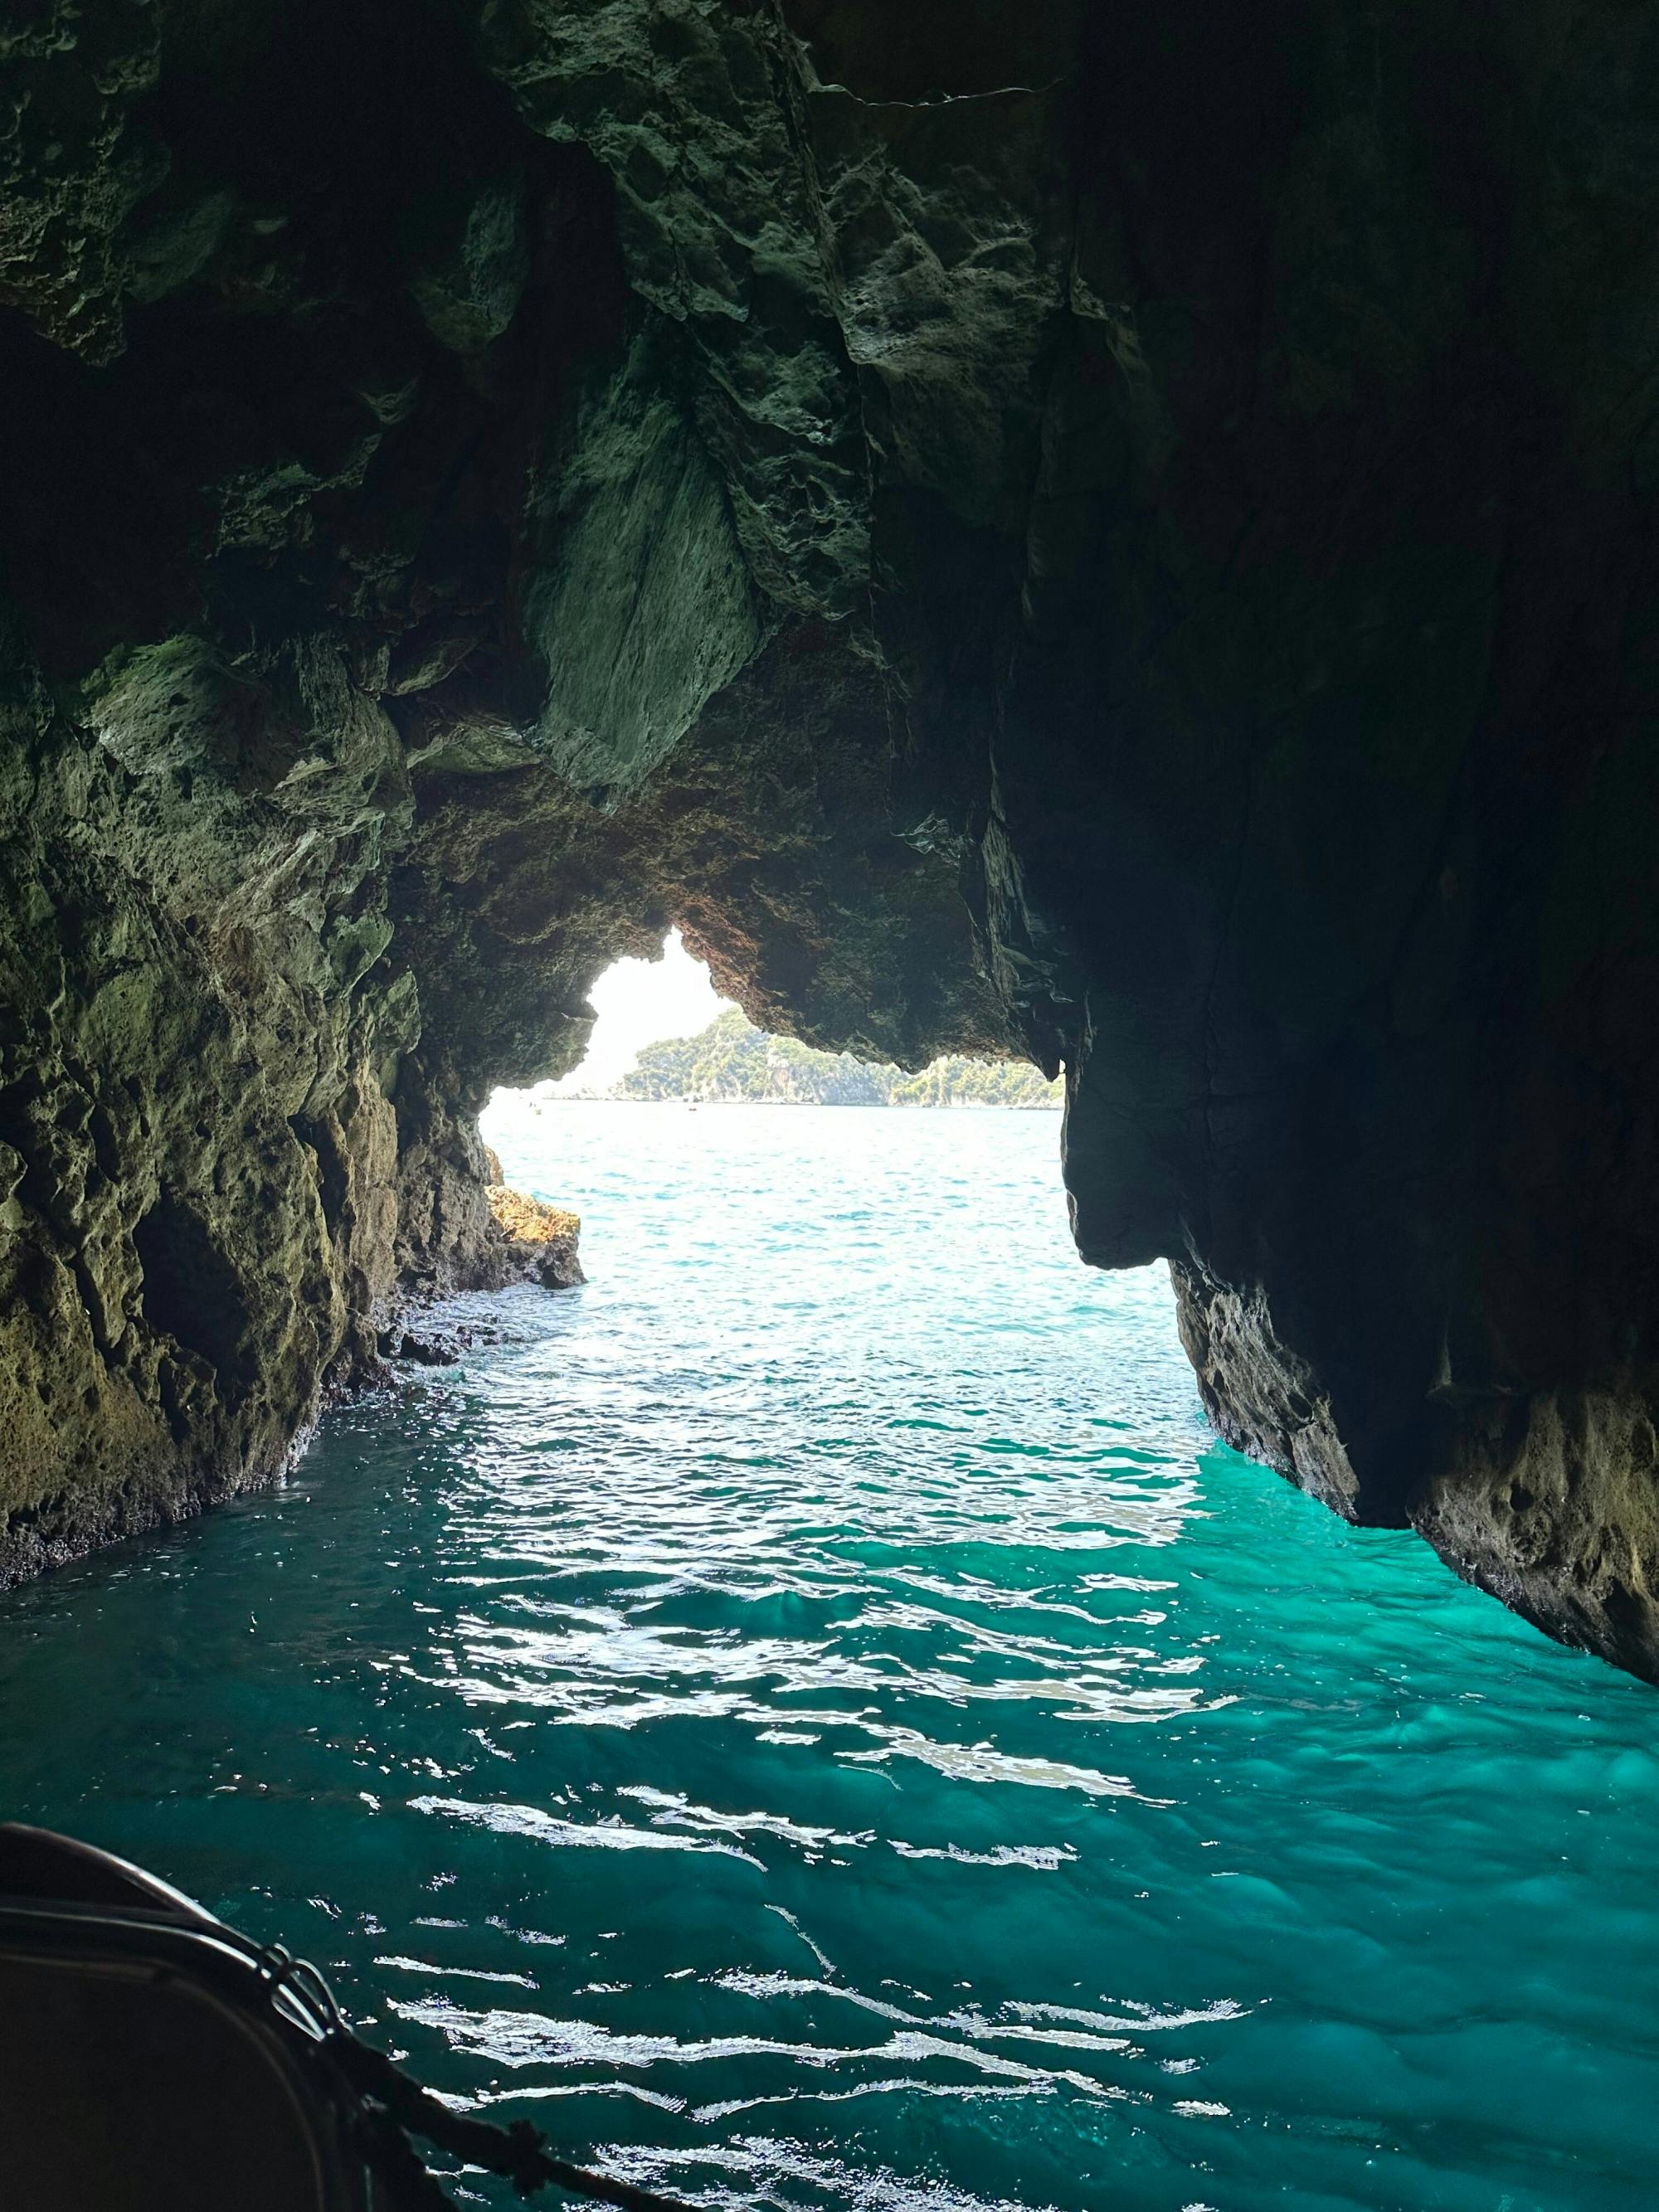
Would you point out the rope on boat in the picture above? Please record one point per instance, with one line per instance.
(404, 2108)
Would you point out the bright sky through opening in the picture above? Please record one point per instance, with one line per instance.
(637, 1002)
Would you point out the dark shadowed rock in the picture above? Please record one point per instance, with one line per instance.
(1122, 535)
(423, 1347)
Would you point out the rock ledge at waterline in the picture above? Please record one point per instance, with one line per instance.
(1015, 543)
(541, 1239)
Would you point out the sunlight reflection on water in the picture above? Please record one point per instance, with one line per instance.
(814, 1717)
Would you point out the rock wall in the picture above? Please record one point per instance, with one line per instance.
(1122, 535)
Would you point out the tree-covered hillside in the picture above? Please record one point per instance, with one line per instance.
(732, 1061)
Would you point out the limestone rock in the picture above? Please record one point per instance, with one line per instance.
(541, 1239)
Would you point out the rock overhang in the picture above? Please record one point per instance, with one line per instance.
(1012, 538)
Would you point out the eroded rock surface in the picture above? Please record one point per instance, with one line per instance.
(541, 1240)
(1127, 536)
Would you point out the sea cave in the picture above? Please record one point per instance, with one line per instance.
(1121, 540)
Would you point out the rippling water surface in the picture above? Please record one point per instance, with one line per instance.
(814, 1719)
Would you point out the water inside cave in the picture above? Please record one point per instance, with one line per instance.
(813, 1718)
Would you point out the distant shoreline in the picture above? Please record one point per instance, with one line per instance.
(839, 1105)
(732, 1063)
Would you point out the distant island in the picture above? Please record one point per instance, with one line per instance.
(732, 1062)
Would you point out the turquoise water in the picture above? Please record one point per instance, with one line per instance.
(814, 1719)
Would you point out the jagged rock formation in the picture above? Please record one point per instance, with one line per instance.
(1125, 535)
(540, 1240)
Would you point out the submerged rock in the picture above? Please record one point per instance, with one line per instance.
(1016, 541)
